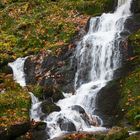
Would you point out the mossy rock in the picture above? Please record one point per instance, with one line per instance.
(48, 107)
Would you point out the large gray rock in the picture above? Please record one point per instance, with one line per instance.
(107, 103)
(66, 125)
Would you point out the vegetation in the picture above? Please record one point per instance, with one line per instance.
(130, 86)
(115, 133)
(30, 26)
(14, 104)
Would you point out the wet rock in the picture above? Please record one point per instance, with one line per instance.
(6, 69)
(87, 25)
(40, 126)
(83, 115)
(48, 107)
(66, 125)
(78, 109)
(29, 69)
(106, 103)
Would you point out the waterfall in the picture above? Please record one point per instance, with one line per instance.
(35, 111)
(19, 76)
(121, 2)
(97, 56)
(18, 71)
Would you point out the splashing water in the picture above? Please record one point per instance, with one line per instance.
(19, 76)
(18, 71)
(35, 111)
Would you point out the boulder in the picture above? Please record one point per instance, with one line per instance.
(48, 107)
(106, 103)
(78, 109)
(29, 69)
(6, 69)
(66, 125)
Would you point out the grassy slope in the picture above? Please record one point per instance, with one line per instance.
(27, 27)
(14, 103)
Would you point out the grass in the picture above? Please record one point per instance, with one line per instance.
(29, 26)
(14, 104)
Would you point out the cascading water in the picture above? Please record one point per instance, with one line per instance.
(19, 76)
(97, 56)
(18, 71)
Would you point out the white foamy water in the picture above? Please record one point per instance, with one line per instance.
(97, 55)
(18, 71)
(19, 76)
(35, 111)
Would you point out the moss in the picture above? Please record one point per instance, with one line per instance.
(48, 107)
(14, 104)
(130, 86)
(37, 90)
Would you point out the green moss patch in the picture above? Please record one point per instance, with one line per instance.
(14, 104)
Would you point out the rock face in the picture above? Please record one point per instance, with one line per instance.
(132, 24)
(106, 103)
(55, 73)
(29, 70)
(78, 109)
